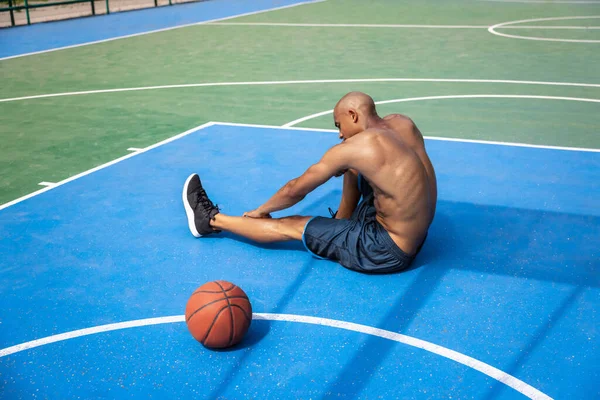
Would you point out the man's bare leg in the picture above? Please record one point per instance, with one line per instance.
(263, 230)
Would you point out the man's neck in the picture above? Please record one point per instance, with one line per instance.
(374, 121)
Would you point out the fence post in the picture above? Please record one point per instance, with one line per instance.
(170, 3)
(107, 9)
(155, 3)
(93, 7)
(12, 16)
(27, 12)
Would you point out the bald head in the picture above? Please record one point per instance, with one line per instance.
(357, 101)
(354, 113)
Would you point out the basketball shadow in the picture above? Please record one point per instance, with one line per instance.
(257, 332)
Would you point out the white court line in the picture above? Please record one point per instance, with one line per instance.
(30, 195)
(351, 25)
(134, 149)
(585, 28)
(463, 359)
(47, 183)
(503, 25)
(394, 26)
(472, 96)
(108, 164)
(438, 138)
(301, 82)
(545, 1)
(461, 96)
(164, 29)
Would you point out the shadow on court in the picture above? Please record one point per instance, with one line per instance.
(514, 242)
(491, 240)
(258, 327)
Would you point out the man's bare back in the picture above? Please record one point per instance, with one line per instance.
(403, 179)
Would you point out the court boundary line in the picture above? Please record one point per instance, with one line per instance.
(163, 29)
(503, 25)
(437, 138)
(395, 26)
(105, 165)
(318, 25)
(473, 363)
(212, 123)
(545, 2)
(472, 96)
(301, 82)
(447, 97)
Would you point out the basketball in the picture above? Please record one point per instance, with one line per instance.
(218, 314)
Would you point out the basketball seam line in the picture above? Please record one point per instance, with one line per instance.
(212, 302)
(215, 291)
(249, 319)
(232, 329)
(212, 324)
(211, 291)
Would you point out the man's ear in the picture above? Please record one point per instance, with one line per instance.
(353, 115)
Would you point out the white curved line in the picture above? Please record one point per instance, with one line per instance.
(300, 82)
(470, 362)
(463, 96)
(89, 331)
(443, 139)
(492, 29)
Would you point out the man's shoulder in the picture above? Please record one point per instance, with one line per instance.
(381, 139)
(397, 117)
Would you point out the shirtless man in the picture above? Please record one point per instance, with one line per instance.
(388, 200)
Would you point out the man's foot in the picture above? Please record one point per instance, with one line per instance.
(198, 207)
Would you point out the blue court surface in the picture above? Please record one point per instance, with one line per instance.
(81, 31)
(500, 304)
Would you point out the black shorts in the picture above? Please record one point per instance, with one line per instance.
(359, 243)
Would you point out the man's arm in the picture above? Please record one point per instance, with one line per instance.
(335, 160)
(350, 195)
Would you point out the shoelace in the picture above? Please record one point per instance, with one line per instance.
(204, 201)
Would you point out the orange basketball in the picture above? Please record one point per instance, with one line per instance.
(218, 314)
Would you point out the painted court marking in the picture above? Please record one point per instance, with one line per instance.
(200, 127)
(463, 359)
(443, 139)
(108, 164)
(300, 82)
(309, 25)
(394, 26)
(492, 29)
(463, 96)
(164, 29)
(545, 1)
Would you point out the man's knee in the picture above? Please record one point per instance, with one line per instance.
(292, 227)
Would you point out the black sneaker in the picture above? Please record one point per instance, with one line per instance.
(198, 207)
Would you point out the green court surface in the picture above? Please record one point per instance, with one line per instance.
(553, 99)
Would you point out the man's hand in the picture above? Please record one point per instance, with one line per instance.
(256, 214)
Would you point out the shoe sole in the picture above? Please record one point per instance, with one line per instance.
(188, 210)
